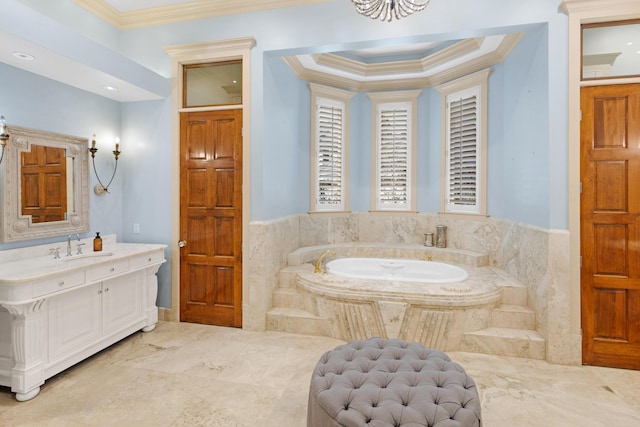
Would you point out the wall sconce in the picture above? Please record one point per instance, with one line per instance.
(100, 188)
(4, 136)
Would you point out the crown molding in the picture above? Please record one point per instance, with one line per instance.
(485, 61)
(482, 62)
(394, 67)
(195, 52)
(576, 6)
(452, 52)
(197, 9)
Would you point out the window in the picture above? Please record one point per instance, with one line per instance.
(393, 145)
(214, 83)
(463, 185)
(329, 158)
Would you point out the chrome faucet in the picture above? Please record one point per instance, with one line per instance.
(55, 252)
(79, 252)
(69, 245)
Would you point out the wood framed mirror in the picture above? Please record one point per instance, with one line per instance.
(45, 189)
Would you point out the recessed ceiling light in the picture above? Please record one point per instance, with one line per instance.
(629, 43)
(111, 88)
(24, 56)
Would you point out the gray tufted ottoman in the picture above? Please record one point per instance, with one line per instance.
(389, 382)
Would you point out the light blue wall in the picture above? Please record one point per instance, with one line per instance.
(279, 140)
(519, 143)
(285, 140)
(336, 26)
(146, 172)
(360, 153)
(31, 101)
(518, 139)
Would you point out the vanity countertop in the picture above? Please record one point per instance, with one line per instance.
(27, 270)
(32, 278)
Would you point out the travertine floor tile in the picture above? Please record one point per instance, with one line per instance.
(196, 375)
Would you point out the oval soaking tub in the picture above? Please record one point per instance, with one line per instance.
(378, 292)
(404, 270)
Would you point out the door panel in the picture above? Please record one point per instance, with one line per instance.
(211, 217)
(610, 225)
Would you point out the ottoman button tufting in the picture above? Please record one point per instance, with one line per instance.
(390, 382)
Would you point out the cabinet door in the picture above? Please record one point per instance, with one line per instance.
(122, 302)
(74, 321)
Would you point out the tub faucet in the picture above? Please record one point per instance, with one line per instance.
(318, 267)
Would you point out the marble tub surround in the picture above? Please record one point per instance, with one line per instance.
(531, 255)
(437, 315)
(185, 374)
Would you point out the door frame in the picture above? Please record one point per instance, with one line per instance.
(195, 53)
(583, 12)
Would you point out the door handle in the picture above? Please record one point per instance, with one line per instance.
(182, 243)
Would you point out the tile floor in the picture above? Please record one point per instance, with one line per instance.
(194, 375)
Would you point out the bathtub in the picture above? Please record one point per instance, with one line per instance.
(373, 289)
(404, 270)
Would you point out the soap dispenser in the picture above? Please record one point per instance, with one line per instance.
(97, 243)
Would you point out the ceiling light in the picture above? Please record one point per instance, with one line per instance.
(386, 10)
(24, 56)
(110, 88)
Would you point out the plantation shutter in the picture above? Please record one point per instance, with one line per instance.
(463, 163)
(330, 154)
(394, 135)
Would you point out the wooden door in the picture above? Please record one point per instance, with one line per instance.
(43, 175)
(610, 225)
(211, 217)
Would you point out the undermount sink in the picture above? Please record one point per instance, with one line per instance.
(85, 256)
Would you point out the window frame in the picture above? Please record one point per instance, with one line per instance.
(463, 88)
(380, 101)
(328, 96)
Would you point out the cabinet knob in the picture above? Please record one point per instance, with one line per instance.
(61, 283)
(182, 243)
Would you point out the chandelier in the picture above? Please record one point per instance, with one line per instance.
(386, 10)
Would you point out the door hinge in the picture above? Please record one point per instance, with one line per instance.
(580, 115)
(580, 261)
(580, 188)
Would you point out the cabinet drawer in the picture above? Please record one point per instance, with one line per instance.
(65, 281)
(147, 259)
(111, 269)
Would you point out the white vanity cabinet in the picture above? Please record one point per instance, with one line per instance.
(55, 318)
